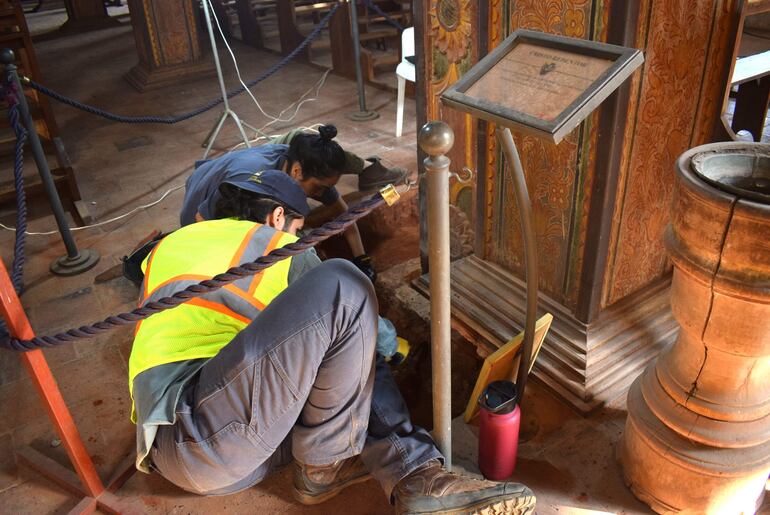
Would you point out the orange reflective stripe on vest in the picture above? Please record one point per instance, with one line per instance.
(201, 327)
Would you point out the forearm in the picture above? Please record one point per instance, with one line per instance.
(352, 236)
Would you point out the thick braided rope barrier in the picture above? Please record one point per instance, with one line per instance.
(17, 269)
(169, 120)
(376, 8)
(315, 236)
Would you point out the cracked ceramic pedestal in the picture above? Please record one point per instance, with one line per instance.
(697, 437)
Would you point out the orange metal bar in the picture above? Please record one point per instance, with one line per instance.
(19, 327)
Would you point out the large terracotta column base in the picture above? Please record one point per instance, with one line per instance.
(674, 475)
(697, 437)
(144, 79)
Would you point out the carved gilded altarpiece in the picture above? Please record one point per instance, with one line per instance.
(556, 175)
(601, 197)
(451, 26)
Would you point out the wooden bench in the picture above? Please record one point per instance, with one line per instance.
(752, 76)
(343, 58)
(286, 11)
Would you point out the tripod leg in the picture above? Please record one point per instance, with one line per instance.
(240, 128)
(213, 134)
(214, 129)
(252, 128)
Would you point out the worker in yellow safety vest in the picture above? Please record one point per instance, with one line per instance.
(279, 367)
(314, 159)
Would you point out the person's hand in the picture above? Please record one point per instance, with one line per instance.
(364, 263)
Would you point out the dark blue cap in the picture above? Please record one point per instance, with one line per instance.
(273, 184)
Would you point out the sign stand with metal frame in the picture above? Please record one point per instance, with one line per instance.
(536, 83)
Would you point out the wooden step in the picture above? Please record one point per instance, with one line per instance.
(378, 34)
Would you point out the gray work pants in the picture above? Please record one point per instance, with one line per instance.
(300, 381)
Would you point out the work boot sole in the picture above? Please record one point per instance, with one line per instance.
(310, 498)
(500, 505)
(391, 178)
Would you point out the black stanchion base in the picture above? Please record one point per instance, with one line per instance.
(363, 116)
(85, 260)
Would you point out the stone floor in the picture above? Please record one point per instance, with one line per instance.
(568, 461)
(120, 167)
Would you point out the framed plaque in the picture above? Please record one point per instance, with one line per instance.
(541, 83)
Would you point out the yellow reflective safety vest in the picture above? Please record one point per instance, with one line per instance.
(200, 327)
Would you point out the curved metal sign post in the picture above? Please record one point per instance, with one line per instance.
(536, 83)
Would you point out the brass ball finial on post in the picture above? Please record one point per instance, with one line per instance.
(436, 140)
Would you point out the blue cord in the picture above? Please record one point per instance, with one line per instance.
(371, 5)
(195, 112)
(17, 269)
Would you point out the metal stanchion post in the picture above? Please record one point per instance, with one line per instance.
(362, 115)
(76, 261)
(436, 139)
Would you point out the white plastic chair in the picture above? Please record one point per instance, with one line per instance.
(405, 71)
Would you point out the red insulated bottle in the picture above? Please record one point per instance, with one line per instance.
(499, 420)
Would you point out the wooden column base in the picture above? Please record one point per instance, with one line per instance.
(697, 437)
(144, 79)
(585, 365)
(87, 24)
(673, 474)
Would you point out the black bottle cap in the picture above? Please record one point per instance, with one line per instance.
(499, 397)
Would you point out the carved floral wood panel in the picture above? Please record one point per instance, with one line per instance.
(452, 29)
(633, 107)
(675, 51)
(558, 177)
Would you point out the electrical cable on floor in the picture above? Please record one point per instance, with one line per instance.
(235, 62)
(309, 128)
(262, 135)
(301, 101)
(105, 222)
(274, 119)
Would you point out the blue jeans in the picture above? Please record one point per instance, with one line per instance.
(301, 381)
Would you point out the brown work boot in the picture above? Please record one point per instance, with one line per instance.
(377, 175)
(315, 484)
(431, 489)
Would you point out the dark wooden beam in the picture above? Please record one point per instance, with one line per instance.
(621, 30)
(482, 156)
(421, 101)
(289, 34)
(251, 31)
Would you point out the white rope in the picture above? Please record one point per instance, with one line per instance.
(274, 119)
(301, 101)
(310, 128)
(235, 61)
(105, 222)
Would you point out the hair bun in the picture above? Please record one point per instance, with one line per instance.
(327, 132)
